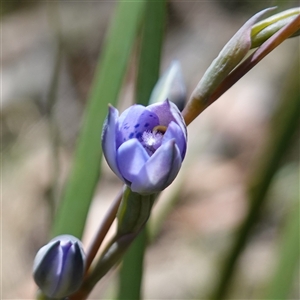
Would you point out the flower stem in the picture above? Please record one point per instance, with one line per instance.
(111, 255)
(103, 229)
(94, 247)
(132, 212)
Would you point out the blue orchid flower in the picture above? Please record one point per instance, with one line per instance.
(145, 146)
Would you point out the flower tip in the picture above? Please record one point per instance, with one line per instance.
(111, 109)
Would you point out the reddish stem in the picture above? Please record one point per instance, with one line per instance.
(103, 229)
(82, 294)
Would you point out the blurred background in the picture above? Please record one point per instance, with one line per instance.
(225, 145)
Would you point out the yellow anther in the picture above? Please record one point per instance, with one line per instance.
(160, 128)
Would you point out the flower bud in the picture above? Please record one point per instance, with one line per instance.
(170, 86)
(59, 266)
(229, 57)
(264, 29)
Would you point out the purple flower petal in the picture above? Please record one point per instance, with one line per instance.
(133, 122)
(72, 265)
(132, 141)
(126, 120)
(159, 171)
(59, 266)
(131, 156)
(109, 139)
(174, 132)
(47, 265)
(168, 112)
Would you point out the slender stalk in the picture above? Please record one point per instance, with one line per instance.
(283, 128)
(133, 213)
(95, 245)
(111, 255)
(103, 229)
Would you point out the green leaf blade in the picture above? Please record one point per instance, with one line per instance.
(288, 262)
(130, 280)
(72, 213)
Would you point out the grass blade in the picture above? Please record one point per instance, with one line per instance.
(152, 38)
(148, 73)
(131, 272)
(288, 262)
(110, 71)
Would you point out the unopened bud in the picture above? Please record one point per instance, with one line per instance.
(170, 86)
(264, 29)
(59, 266)
(229, 57)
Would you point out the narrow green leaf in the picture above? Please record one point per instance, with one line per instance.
(85, 172)
(131, 273)
(288, 262)
(152, 39)
(132, 268)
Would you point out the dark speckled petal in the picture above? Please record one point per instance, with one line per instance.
(135, 121)
(168, 112)
(109, 140)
